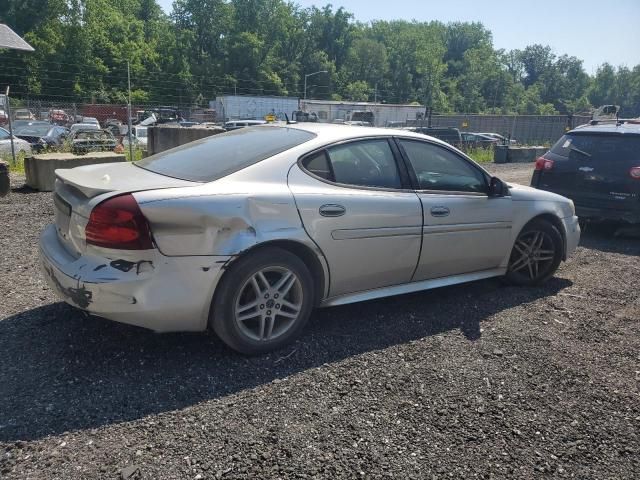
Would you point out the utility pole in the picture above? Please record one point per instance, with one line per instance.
(305, 80)
(375, 94)
(13, 148)
(129, 112)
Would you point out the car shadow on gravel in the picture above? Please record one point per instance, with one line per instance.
(62, 370)
(611, 238)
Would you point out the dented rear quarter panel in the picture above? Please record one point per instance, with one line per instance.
(227, 216)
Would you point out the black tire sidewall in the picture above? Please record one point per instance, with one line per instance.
(222, 318)
(517, 278)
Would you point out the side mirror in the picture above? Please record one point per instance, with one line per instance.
(497, 188)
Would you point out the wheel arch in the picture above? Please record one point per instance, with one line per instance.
(556, 222)
(312, 259)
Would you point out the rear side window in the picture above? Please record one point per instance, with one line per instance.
(318, 164)
(220, 155)
(363, 163)
(614, 149)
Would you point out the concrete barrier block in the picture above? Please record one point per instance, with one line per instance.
(40, 169)
(525, 154)
(507, 154)
(164, 137)
(5, 184)
(500, 154)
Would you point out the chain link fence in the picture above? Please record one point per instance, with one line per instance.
(525, 129)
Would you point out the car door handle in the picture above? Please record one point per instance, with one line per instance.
(439, 211)
(332, 210)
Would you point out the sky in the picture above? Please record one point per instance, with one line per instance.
(595, 31)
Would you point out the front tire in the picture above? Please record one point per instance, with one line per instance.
(536, 254)
(263, 302)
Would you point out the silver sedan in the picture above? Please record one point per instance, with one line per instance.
(248, 231)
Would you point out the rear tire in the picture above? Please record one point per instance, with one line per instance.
(536, 254)
(263, 301)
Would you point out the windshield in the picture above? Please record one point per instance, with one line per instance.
(33, 130)
(219, 155)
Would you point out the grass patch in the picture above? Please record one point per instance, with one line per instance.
(138, 154)
(18, 166)
(481, 155)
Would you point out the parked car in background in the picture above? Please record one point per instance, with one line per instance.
(89, 120)
(138, 137)
(4, 118)
(235, 124)
(16, 124)
(92, 140)
(358, 123)
(502, 140)
(59, 117)
(238, 231)
(477, 140)
(598, 167)
(42, 135)
(447, 134)
(84, 126)
(23, 114)
(20, 146)
(115, 126)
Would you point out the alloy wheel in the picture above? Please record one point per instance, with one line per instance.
(533, 253)
(268, 303)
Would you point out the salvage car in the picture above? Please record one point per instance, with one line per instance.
(21, 147)
(92, 140)
(42, 135)
(246, 232)
(598, 167)
(23, 114)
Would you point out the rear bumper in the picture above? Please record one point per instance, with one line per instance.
(603, 214)
(166, 294)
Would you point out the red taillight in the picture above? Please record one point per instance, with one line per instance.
(119, 223)
(544, 164)
(635, 173)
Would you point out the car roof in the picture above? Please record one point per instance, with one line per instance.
(337, 132)
(609, 127)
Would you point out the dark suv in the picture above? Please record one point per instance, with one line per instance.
(598, 167)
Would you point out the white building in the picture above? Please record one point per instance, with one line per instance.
(384, 114)
(245, 107)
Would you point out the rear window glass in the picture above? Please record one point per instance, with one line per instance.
(606, 148)
(219, 155)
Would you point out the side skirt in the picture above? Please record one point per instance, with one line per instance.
(410, 287)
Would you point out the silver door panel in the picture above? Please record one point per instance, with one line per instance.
(473, 235)
(375, 243)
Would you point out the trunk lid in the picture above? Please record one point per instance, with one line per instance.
(78, 190)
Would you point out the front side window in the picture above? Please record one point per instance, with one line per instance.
(367, 163)
(438, 168)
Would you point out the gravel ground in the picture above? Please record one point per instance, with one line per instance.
(472, 381)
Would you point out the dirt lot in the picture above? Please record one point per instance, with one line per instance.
(473, 381)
